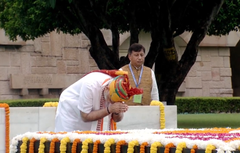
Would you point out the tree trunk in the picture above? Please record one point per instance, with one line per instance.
(170, 80)
(101, 53)
(153, 50)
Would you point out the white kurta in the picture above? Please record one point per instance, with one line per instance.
(84, 95)
(154, 93)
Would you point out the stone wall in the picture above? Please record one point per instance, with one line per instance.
(44, 67)
(211, 74)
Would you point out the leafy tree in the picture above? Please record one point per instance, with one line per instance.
(163, 19)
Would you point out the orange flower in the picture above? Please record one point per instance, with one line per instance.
(95, 146)
(167, 147)
(211, 130)
(7, 125)
(142, 147)
(193, 150)
(31, 145)
(52, 145)
(118, 145)
(74, 145)
(85, 132)
(114, 125)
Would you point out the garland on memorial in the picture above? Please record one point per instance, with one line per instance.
(119, 144)
(95, 146)
(131, 146)
(23, 147)
(63, 145)
(221, 139)
(7, 125)
(142, 147)
(210, 148)
(180, 147)
(42, 145)
(108, 144)
(162, 113)
(85, 145)
(154, 146)
(167, 147)
(52, 145)
(194, 148)
(31, 145)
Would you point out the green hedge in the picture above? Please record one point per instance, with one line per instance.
(28, 102)
(208, 104)
(189, 105)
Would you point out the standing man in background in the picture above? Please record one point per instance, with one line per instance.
(140, 76)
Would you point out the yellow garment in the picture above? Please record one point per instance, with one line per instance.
(145, 85)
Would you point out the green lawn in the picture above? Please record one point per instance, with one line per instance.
(208, 120)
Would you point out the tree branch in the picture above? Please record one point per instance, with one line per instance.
(191, 51)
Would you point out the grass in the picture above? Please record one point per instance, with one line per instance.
(208, 120)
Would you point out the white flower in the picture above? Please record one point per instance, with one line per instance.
(144, 135)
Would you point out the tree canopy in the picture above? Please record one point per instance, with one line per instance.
(163, 19)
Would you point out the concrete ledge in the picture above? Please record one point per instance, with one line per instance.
(141, 117)
(31, 119)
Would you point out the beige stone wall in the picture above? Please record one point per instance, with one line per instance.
(54, 57)
(43, 67)
(211, 74)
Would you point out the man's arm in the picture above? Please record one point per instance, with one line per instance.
(94, 115)
(117, 109)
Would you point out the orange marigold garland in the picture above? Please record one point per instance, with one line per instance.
(193, 150)
(113, 125)
(52, 145)
(31, 145)
(95, 146)
(74, 145)
(142, 147)
(167, 147)
(7, 125)
(119, 144)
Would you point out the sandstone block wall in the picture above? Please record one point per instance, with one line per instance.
(211, 75)
(44, 67)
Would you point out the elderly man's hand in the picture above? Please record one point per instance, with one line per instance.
(118, 107)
